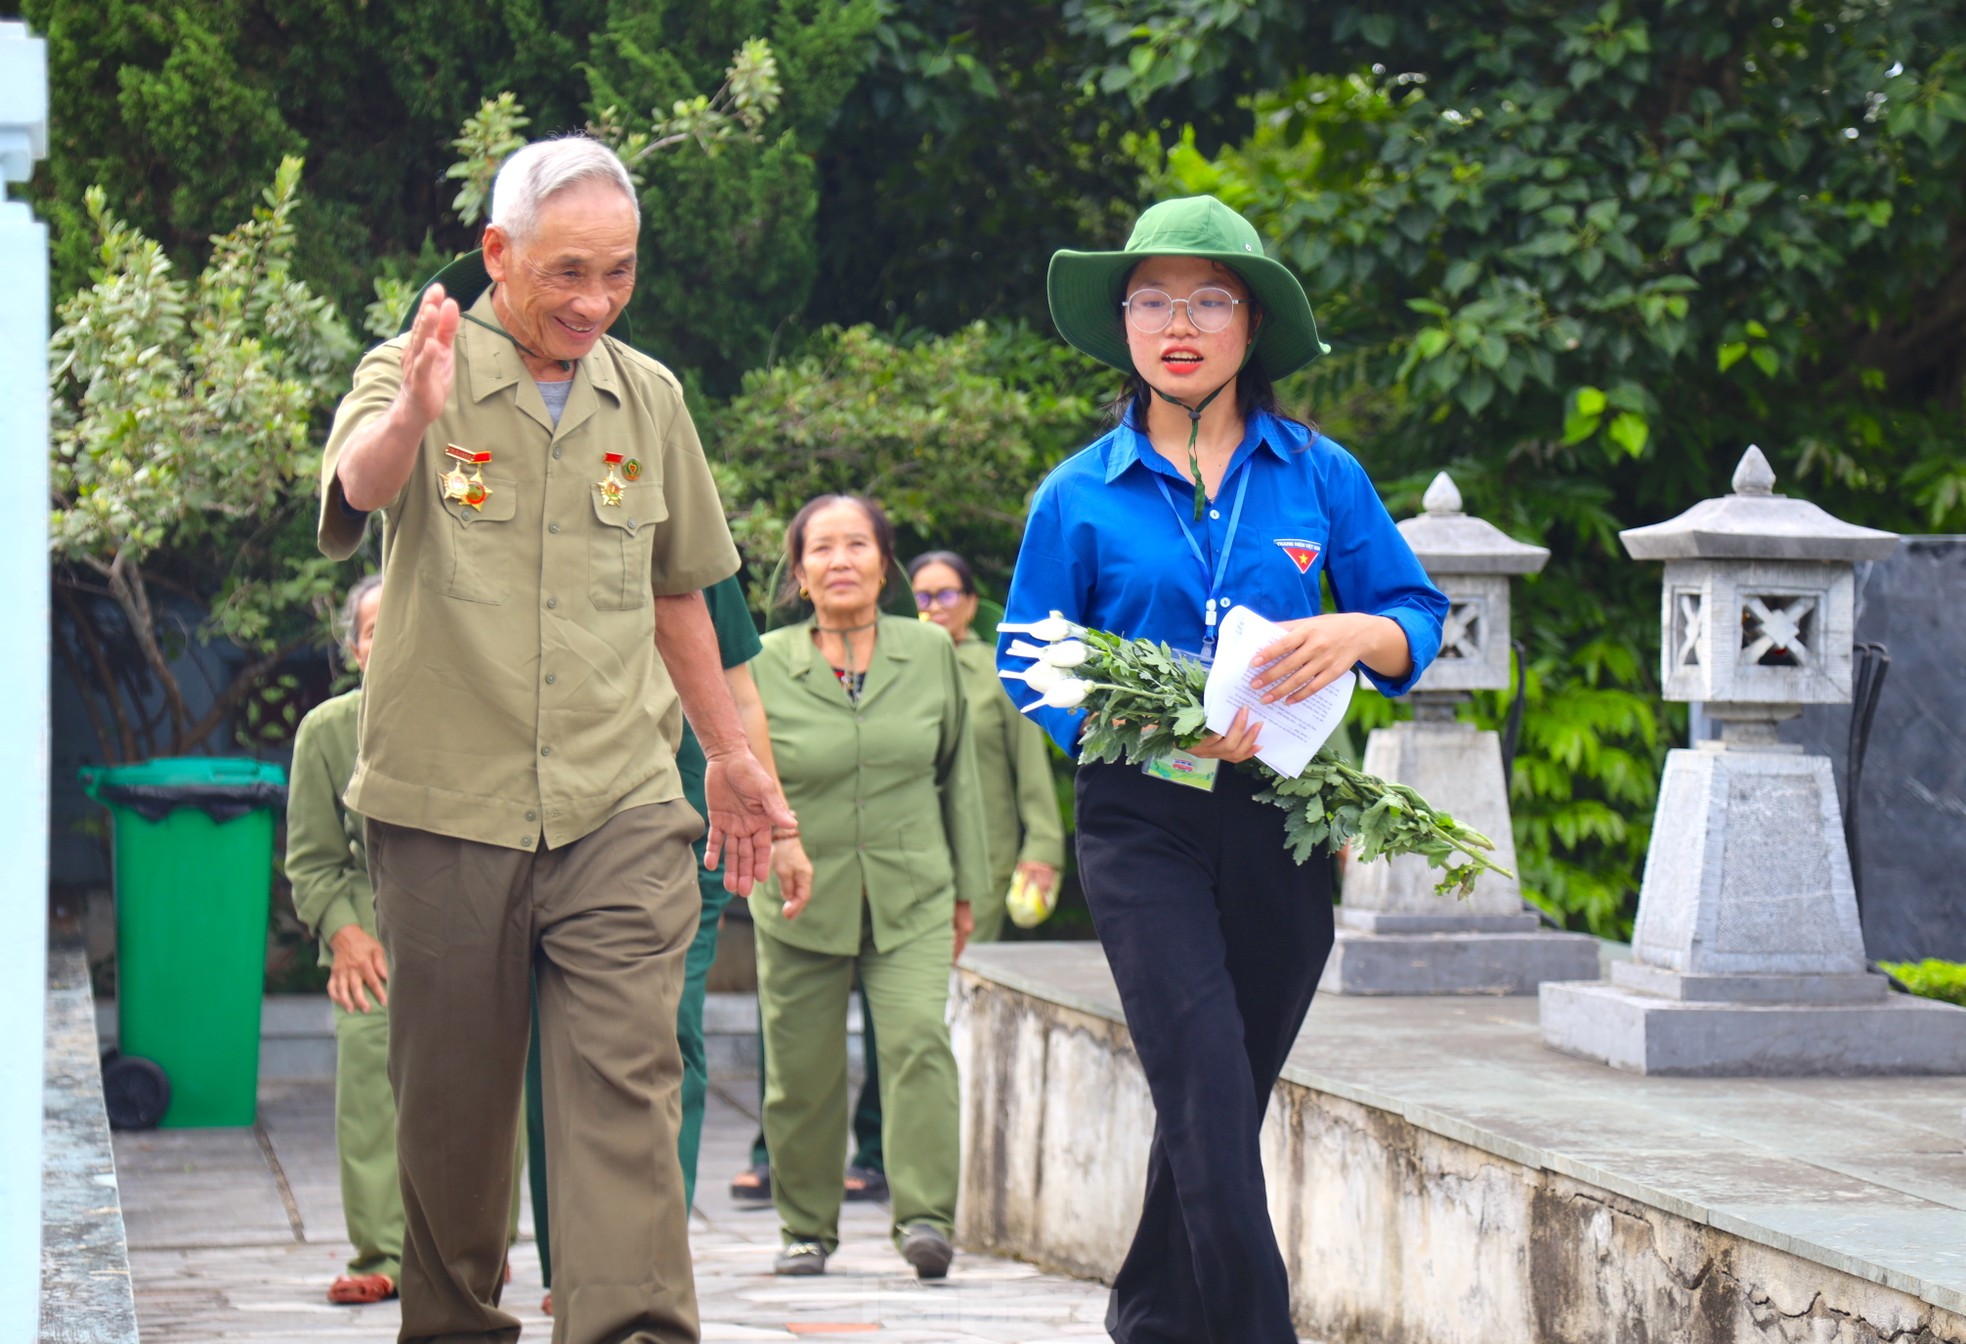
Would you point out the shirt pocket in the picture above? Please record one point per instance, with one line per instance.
(1287, 576)
(476, 564)
(621, 551)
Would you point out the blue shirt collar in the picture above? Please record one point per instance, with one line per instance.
(1128, 445)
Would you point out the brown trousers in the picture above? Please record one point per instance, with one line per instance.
(605, 923)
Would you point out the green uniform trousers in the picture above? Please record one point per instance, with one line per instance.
(604, 923)
(689, 1040)
(365, 1144)
(803, 999)
(365, 1141)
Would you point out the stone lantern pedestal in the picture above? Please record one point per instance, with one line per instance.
(1396, 935)
(1747, 957)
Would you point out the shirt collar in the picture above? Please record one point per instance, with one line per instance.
(804, 654)
(493, 361)
(1128, 445)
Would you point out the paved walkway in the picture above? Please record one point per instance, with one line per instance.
(235, 1235)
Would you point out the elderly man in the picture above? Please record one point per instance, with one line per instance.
(550, 523)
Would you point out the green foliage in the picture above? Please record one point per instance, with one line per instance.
(729, 252)
(937, 430)
(184, 455)
(182, 112)
(489, 136)
(1931, 979)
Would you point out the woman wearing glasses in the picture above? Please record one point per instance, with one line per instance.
(1020, 804)
(870, 731)
(1203, 497)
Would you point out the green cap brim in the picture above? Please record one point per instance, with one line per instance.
(1085, 289)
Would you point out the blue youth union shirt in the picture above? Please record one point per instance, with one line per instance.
(1103, 547)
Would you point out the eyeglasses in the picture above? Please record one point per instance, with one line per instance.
(1209, 309)
(940, 597)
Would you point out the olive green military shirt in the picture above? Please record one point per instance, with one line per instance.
(327, 861)
(1013, 766)
(886, 791)
(514, 689)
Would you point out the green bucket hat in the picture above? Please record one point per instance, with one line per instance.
(1085, 288)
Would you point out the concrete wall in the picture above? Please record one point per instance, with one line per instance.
(1394, 1233)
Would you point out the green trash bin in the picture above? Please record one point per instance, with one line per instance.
(194, 880)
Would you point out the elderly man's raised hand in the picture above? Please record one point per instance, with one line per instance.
(429, 360)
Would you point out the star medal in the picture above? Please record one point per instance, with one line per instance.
(611, 484)
(471, 489)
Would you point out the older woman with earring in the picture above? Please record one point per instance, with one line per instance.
(1013, 765)
(870, 727)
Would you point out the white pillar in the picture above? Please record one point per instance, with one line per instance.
(23, 676)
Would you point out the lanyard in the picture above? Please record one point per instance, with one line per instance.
(1209, 604)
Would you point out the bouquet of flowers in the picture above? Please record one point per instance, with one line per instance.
(1143, 700)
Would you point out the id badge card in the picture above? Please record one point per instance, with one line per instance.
(1179, 767)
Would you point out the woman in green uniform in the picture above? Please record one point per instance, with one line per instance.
(1020, 802)
(870, 728)
(328, 867)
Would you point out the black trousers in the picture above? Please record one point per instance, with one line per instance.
(1216, 940)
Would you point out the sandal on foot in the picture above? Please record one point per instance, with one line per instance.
(361, 1290)
(752, 1185)
(865, 1185)
(800, 1259)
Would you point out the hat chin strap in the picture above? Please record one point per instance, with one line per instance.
(1194, 426)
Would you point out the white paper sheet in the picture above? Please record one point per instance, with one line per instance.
(1291, 734)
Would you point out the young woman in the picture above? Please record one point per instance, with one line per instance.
(1202, 498)
(1020, 805)
(870, 728)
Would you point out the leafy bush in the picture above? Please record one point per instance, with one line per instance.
(1931, 979)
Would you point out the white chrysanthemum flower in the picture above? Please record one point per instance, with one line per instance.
(1040, 677)
(1050, 630)
(1066, 653)
(1066, 693)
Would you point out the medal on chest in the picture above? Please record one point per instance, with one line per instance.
(470, 490)
(611, 484)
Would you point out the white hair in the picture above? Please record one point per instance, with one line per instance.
(351, 609)
(544, 169)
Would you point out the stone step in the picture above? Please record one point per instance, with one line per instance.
(296, 1034)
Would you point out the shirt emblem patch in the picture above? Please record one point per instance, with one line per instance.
(1303, 554)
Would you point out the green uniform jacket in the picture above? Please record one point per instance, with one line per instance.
(1013, 764)
(886, 793)
(326, 859)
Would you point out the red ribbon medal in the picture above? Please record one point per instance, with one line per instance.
(470, 490)
(611, 484)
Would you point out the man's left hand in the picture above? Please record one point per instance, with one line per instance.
(965, 925)
(744, 804)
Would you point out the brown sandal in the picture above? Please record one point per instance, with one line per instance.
(361, 1290)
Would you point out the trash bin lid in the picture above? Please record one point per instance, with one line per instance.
(222, 787)
(187, 771)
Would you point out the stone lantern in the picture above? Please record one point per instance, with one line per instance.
(1747, 957)
(1396, 935)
